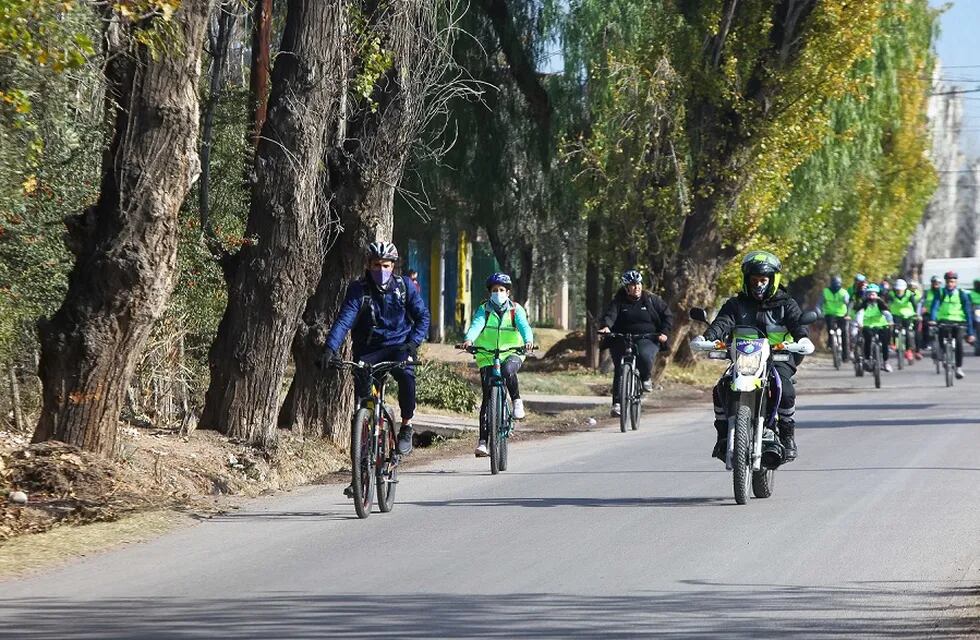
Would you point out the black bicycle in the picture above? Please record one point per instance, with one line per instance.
(835, 346)
(630, 386)
(498, 415)
(857, 345)
(877, 363)
(951, 332)
(373, 441)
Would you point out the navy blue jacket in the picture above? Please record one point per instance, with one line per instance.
(398, 316)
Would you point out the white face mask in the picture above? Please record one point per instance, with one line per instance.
(499, 298)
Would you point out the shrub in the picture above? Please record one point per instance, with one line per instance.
(439, 386)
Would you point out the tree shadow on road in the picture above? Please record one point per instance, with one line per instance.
(696, 610)
(692, 501)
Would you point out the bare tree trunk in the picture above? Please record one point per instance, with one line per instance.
(126, 243)
(288, 221)
(15, 403)
(260, 65)
(365, 166)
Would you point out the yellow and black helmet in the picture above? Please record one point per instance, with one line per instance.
(761, 263)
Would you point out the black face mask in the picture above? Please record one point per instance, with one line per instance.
(758, 291)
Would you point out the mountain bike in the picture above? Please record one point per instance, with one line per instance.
(498, 414)
(876, 360)
(630, 385)
(951, 332)
(373, 441)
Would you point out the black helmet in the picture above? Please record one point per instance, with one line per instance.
(631, 276)
(761, 263)
(837, 282)
(383, 251)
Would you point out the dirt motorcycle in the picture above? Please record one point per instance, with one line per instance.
(754, 450)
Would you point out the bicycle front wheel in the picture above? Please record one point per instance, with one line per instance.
(949, 363)
(495, 419)
(625, 395)
(900, 349)
(876, 363)
(835, 349)
(362, 461)
(637, 399)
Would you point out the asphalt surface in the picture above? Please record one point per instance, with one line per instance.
(873, 532)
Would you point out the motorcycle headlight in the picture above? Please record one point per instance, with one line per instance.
(747, 364)
(748, 355)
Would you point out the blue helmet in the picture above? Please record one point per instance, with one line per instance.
(860, 278)
(872, 288)
(501, 279)
(631, 276)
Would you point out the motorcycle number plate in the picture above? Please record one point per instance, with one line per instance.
(780, 357)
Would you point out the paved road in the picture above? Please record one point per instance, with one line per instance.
(874, 532)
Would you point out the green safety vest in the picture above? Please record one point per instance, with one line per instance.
(930, 294)
(500, 332)
(951, 307)
(902, 307)
(834, 304)
(975, 299)
(874, 318)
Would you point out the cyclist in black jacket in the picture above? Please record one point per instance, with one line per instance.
(634, 310)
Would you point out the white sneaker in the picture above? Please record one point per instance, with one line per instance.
(647, 386)
(887, 367)
(519, 410)
(615, 411)
(959, 373)
(481, 450)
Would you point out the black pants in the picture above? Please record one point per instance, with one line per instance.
(508, 369)
(957, 334)
(834, 322)
(884, 336)
(646, 352)
(404, 377)
(787, 403)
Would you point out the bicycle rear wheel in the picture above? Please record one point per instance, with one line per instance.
(503, 437)
(387, 467)
(494, 419)
(625, 394)
(362, 461)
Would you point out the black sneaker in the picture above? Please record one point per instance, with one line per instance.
(349, 491)
(405, 440)
(721, 449)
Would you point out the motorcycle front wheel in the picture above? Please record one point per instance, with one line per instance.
(741, 472)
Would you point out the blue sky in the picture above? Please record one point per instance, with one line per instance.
(959, 54)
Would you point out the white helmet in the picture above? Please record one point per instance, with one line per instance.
(901, 285)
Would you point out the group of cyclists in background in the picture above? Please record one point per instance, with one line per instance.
(899, 317)
(388, 319)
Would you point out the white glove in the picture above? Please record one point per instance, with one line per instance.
(806, 346)
(698, 339)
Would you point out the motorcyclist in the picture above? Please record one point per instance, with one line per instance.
(872, 317)
(952, 305)
(903, 304)
(389, 321)
(499, 323)
(835, 305)
(634, 310)
(765, 304)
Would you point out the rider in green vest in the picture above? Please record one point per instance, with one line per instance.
(499, 323)
(835, 311)
(873, 317)
(952, 306)
(975, 301)
(903, 303)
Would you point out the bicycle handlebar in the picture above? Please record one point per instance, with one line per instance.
(473, 349)
(379, 366)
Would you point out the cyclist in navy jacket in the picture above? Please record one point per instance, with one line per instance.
(388, 321)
